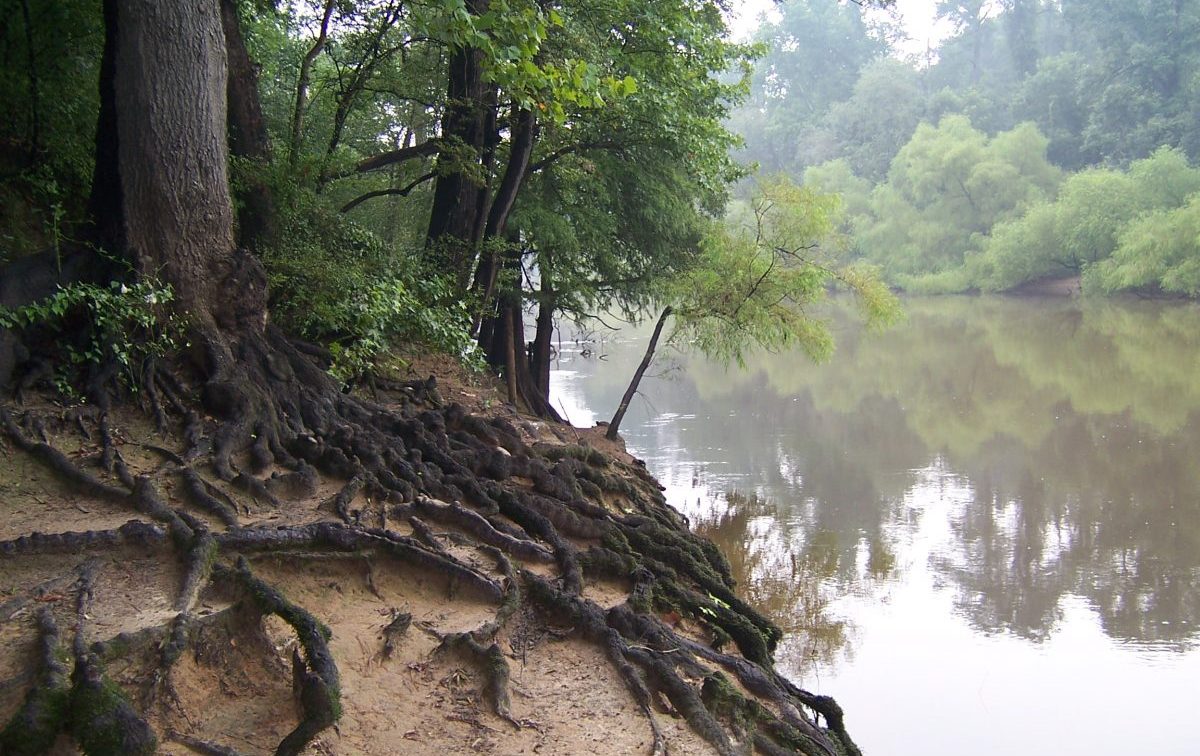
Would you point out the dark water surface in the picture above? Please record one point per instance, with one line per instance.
(981, 528)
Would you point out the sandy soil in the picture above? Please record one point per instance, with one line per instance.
(233, 688)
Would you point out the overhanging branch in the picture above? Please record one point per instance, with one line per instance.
(392, 157)
(391, 192)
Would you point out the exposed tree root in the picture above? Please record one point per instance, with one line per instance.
(199, 491)
(61, 464)
(478, 526)
(317, 674)
(502, 504)
(491, 662)
(201, 746)
(10, 608)
(132, 533)
(42, 716)
(393, 631)
(641, 668)
(655, 652)
(102, 720)
(335, 536)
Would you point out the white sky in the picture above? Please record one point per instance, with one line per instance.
(918, 19)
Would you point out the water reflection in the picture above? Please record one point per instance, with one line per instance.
(783, 572)
(1071, 431)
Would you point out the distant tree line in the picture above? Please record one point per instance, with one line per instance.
(1041, 139)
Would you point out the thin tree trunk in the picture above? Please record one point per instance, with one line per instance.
(520, 151)
(297, 133)
(491, 324)
(539, 358)
(510, 353)
(349, 90)
(106, 205)
(615, 424)
(248, 136)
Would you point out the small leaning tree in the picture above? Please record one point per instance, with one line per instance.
(757, 280)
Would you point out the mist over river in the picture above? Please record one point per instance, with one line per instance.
(981, 528)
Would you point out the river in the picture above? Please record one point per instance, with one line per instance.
(981, 528)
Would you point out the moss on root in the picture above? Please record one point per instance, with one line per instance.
(103, 722)
(318, 680)
(43, 715)
(754, 722)
(34, 728)
(555, 452)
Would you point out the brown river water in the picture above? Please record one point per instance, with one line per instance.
(981, 528)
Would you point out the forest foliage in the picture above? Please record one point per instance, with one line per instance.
(1043, 139)
(244, 210)
(434, 172)
(439, 171)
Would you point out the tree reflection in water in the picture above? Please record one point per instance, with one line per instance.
(783, 573)
(1074, 428)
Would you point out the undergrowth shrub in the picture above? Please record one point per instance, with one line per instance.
(334, 282)
(122, 324)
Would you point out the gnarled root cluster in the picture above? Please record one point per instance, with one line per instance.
(288, 468)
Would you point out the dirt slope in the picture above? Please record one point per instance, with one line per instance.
(404, 683)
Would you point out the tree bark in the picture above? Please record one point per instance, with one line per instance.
(105, 205)
(520, 380)
(248, 135)
(484, 282)
(539, 355)
(615, 424)
(511, 365)
(524, 129)
(171, 80)
(248, 138)
(483, 191)
(455, 212)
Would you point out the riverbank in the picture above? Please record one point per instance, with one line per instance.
(535, 594)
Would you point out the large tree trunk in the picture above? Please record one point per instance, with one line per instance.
(455, 215)
(171, 83)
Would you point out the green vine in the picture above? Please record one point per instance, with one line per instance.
(124, 325)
